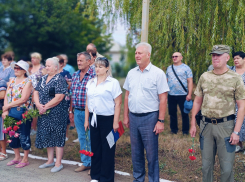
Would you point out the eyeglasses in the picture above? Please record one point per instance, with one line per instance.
(18, 68)
(174, 57)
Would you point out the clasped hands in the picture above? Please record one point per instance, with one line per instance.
(42, 108)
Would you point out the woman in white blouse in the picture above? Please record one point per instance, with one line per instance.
(103, 105)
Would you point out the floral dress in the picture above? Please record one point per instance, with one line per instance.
(51, 128)
(242, 131)
(36, 77)
(14, 92)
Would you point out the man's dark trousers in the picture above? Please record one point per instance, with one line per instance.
(173, 101)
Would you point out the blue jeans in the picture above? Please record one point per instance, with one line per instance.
(142, 136)
(79, 118)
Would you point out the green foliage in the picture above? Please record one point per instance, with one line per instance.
(9, 122)
(51, 27)
(191, 27)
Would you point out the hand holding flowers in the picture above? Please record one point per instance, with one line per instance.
(192, 151)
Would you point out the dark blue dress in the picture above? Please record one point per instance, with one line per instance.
(51, 128)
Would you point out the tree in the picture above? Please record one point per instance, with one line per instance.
(51, 27)
(191, 27)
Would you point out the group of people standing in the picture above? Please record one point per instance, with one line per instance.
(91, 98)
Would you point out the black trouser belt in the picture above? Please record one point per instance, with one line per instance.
(221, 120)
(80, 109)
(142, 114)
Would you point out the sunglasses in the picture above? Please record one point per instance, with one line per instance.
(18, 68)
(103, 59)
(174, 57)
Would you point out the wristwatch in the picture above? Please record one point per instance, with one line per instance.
(70, 112)
(237, 133)
(162, 121)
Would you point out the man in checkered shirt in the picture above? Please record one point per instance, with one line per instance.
(78, 102)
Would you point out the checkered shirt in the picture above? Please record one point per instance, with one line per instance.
(78, 88)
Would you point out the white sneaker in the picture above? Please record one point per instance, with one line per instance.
(94, 180)
(74, 141)
(33, 132)
(66, 139)
(238, 148)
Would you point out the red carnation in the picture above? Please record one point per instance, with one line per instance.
(9, 128)
(24, 116)
(192, 158)
(81, 151)
(86, 153)
(90, 154)
(15, 128)
(18, 123)
(191, 150)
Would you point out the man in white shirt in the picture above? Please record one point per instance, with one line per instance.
(144, 110)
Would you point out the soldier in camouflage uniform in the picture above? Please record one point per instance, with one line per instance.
(217, 93)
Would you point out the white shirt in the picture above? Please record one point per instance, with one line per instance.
(144, 88)
(101, 97)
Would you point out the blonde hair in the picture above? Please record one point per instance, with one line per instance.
(103, 61)
(36, 55)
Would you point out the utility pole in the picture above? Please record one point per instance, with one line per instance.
(145, 21)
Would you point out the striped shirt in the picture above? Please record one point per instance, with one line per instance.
(78, 88)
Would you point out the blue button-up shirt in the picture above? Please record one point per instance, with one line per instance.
(78, 88)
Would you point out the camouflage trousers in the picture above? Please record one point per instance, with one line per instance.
(215, 139)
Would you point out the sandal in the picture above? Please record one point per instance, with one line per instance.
(22, 164)
(13, 162)
(4, 156)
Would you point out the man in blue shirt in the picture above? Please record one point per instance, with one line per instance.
(67, 66)
(179, 94)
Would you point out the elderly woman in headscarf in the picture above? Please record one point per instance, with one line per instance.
(49, 95)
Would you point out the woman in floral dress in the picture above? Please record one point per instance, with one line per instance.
(18, 95)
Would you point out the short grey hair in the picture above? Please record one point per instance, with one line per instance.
(54, 61)
(86, 55)
(145, 44)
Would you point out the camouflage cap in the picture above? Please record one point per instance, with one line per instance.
(220, 49)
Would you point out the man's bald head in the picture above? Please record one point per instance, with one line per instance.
(177, 58)
(91, 46)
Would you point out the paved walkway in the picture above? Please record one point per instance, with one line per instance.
(31, 173)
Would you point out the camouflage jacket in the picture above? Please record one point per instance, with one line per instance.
(220, 93)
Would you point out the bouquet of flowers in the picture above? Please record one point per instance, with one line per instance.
(11, 125)
(87, 152)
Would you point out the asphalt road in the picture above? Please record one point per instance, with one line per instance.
(32, 173)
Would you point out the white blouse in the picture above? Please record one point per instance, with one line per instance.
(100, 98)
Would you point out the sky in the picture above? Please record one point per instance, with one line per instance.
(119, 34)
